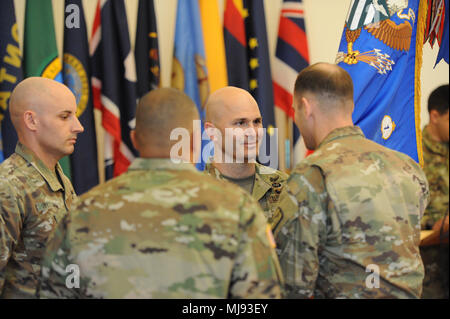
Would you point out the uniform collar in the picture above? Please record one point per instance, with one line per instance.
(440, 148)
(263, 178)
(342, 132)
(140, 164)
(49, 176)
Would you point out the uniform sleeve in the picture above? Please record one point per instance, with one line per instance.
(256, 272)
(303, 232)
(10, 227)
(60, 277)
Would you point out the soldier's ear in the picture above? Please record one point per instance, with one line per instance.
(30, 120)
(307, 107)
(434, 116)
(133, 139)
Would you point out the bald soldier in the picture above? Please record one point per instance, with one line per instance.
(356, 230)
(232, 114)
(34, 192)
(163, 229)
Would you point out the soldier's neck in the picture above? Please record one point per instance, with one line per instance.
(431, 129)
(236, 170)
(46, 157)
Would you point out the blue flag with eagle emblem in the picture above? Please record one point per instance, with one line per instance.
(76, 75)
(381, 48)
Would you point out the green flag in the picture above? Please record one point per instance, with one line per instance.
(40, 56)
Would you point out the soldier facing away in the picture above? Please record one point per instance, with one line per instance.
(163, 229)
(228, 110)
(34, 192)
(359, 204)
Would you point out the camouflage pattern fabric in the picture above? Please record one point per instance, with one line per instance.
(435, 258)
(32, 201)
(268, 190)
(436, 164)
(358, 205)
(163, 230)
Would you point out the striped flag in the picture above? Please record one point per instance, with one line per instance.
(364, 12)
(76, 76)
(10, 75)
(437, 27)
(291, 57)
(114, 84)
(249, 65)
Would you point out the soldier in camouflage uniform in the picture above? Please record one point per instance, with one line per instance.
(435, 139)
(359, 204)
(163, 230)
(34, 192)
(232, 108)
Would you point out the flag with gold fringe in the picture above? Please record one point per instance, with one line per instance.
(383, 55)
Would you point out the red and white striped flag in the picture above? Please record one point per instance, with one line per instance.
(291, 57)
(114, 84)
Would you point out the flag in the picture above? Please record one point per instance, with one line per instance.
(214, 44)
(291, 57)
(249, 65)
(146, 49)
(76, 75)
(10, 75)
(364, 12)
(384, 61)
(189, 72)
(444, 50)
(443, 35)
(435, 21)
(114, 84)
(40, 54)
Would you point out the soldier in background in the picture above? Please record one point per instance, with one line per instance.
(356, 230)
(34, 192)
(435, 139)
(231, 108)
(163, 229)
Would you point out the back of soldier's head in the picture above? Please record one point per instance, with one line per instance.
(160, 112)
(438, 100)
(330, 84)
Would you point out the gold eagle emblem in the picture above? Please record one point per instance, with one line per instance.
(396, 36)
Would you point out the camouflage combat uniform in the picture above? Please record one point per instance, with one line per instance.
(359, 205)
(163, 230)
(268, 190)
(32, 201)
(436, 168)
(435, 156)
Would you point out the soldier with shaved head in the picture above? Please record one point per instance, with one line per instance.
(34, 192)
(163, 229)
(234, 124)
(355, 231)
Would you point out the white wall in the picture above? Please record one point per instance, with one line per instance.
(324, 23)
